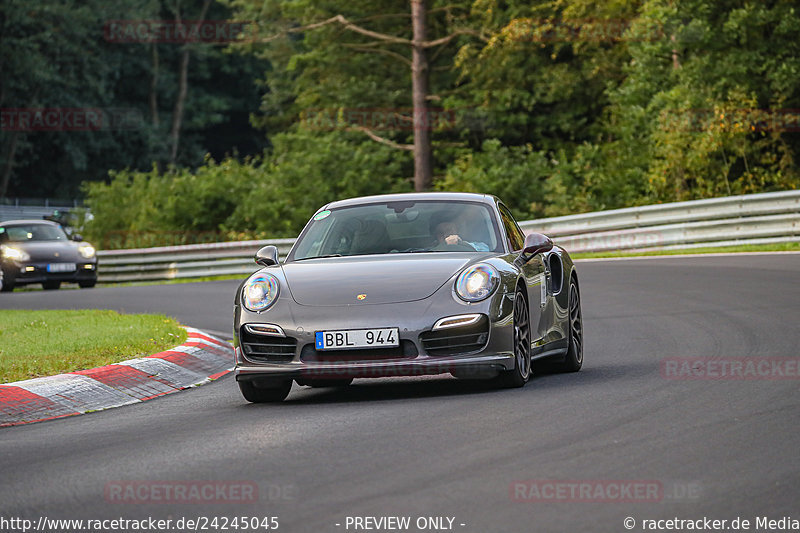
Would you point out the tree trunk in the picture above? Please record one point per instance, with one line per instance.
(180, 102)
(9, 164)
(676, 64)
(154, 87)
(8, 167)
(183, 88)
(420, 72)
(154, 102)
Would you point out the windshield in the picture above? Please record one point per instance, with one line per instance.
(399, 227)
(31, 232)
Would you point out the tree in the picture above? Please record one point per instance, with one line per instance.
(700, 114)
(54, 54)
(183, 84)
(419, 44)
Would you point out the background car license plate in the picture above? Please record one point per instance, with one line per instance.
(61, 267)
(357, 338)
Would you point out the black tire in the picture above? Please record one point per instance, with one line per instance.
(51, 285)
(521, 373)
(573, 359)
(255, 394)
(87, 284)
(322, 383)
(7, 287)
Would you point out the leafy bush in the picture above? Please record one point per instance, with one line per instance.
(516, 174)
(270, 196)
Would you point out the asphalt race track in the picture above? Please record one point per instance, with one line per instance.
(437, 447)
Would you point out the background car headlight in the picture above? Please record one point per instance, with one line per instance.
(477, 283)
(260, 291)
(15, 254)
(87, 251)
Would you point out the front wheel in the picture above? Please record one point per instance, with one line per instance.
(87, 284)
(273, 394)
(521, 373)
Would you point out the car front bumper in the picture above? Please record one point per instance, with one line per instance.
(480, 365)
(19, 273)
(415, 356)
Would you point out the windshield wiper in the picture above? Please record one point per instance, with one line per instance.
(319, 257)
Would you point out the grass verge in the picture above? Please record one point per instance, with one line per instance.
(70, 286)
(44, 343)
(780, 247)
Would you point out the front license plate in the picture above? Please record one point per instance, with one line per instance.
(348, 339)
(61, 267)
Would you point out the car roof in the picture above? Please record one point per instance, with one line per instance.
(415, 196)
(31, 221)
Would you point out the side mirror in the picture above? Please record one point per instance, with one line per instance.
(267, 256)
(536, 243)
(77, 237)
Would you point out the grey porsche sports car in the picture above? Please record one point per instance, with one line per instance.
(39, 251)
(406, 285)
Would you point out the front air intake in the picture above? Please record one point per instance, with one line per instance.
(267, 348)
(457, 340)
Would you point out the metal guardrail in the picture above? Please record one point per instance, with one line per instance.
(19, 212)
(749, 219)
(187, 261)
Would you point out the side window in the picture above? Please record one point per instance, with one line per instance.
(516, 239)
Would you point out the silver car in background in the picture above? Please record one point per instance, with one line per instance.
(39, 251)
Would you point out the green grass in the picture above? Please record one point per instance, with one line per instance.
(779, 247)
(199, 279)
(70, 286)
(44, 343)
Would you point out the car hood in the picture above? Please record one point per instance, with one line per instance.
(45, 251)
(380, 279)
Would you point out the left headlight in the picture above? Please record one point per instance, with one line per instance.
(260, 292)
(477, 282)
(87, 251)
(15, 254)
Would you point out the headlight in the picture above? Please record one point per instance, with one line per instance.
(87, 251)
(15, 254)
(260, 292)
(477, 283)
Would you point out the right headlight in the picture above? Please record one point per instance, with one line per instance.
(15, 254)
(87, 251)
(477, 282)
(260, 292)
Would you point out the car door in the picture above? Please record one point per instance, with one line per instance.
(535, 275)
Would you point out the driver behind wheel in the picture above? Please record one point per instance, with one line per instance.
(447, 234)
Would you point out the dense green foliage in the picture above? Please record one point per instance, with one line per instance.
(557, 106)
(56, 55)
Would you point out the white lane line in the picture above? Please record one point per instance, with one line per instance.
(678, 256)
